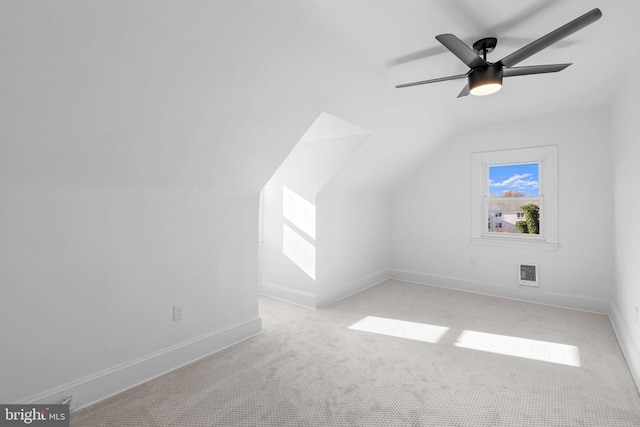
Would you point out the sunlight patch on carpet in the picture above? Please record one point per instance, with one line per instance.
(401, 329)
(546, 351)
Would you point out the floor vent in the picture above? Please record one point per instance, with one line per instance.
(528, 275)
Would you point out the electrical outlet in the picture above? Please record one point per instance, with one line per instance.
(177, 312)
(473, 263)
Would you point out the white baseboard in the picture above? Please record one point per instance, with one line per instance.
(352, 288)
(314, 301)
(294, 296)
(94, 388)
(628, 346)
(534, 295)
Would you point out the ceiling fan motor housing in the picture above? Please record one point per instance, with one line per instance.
(484, 75)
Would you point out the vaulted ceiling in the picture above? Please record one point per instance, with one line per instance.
(215, 94)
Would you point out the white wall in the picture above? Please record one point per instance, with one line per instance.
(306, 170)
(280, 277)
(353, 236)
(349, 237)
(626, 154)
(136, 137)
(89, 278)
(135, 140)
(430, 224)
(352, 246)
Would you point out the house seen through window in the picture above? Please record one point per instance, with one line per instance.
(513, 199)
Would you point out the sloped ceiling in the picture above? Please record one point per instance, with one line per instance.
(214, 94)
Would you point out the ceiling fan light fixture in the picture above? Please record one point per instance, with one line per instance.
(485, 80)
(485, 89)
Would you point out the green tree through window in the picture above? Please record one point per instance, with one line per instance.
(531, 224)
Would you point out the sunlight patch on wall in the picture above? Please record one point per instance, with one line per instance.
(299, 250)
(299, 211)
(401, 329)
(520, 347)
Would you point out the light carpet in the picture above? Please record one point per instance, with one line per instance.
(397, 354)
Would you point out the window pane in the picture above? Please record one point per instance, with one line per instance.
(514, 180)
(508, 186)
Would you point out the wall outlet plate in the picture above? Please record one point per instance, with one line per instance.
(177, 312)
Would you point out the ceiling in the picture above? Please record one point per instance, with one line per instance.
(399, 40)
(214, 95)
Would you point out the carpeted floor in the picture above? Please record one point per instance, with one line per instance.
(397, 354)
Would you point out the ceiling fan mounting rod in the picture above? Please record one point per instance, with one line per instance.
(485, 46)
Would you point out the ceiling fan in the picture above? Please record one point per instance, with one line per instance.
(484, 77)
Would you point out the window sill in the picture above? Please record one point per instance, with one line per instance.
(507, 242)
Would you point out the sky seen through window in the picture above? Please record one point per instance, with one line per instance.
(520, 177)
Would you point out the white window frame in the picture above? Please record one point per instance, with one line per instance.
(547, 159)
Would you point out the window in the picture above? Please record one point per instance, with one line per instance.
(510, 187)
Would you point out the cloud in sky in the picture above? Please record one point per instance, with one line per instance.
(516, 182)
